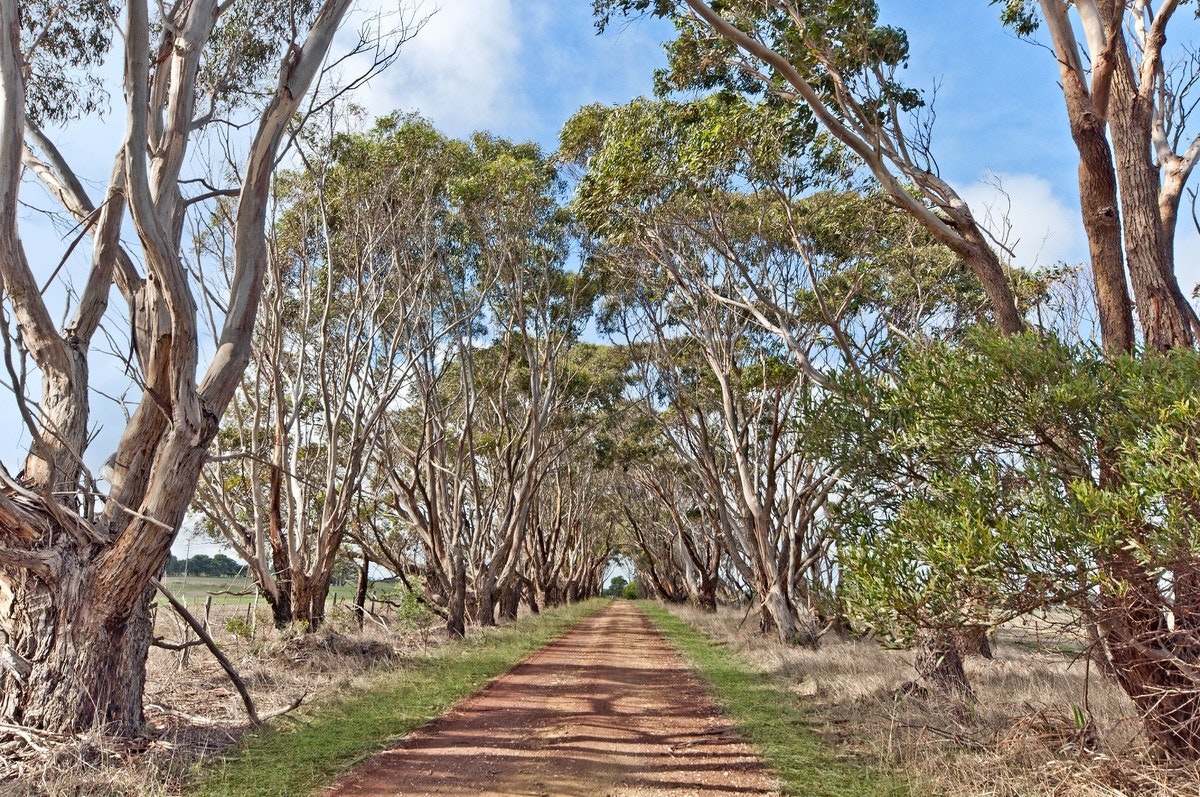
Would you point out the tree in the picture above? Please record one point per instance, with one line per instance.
(495, 389)
(615, 587)
(1128, 116)
(837, 63)
(697, 209)
(357, 258)
(76, 566)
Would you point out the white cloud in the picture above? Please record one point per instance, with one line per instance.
(459, 71)
(1023, 212)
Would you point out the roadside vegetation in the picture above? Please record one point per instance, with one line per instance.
(740, 337)
(366, 715)
(782, 724)
(1043, 723)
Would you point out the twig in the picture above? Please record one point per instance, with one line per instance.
(965, 741)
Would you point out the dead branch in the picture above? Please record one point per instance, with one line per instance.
(159, 642)
(209, 722)
(198, 627)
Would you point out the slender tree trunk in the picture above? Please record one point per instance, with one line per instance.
(485, 600)
(1161, 306)
(456, 622)
(360, 594)
(1102, 223)
(280, 599)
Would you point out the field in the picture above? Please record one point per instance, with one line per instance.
(196, 590)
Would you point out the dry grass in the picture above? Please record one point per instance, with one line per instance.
(193, 711)
(1020, 739)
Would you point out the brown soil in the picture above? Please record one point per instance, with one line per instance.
(608, 710)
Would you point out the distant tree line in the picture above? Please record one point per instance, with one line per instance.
(219, 565)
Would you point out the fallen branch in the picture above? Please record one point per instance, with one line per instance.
(958, 738)
(198, 627)
(159, 642)
(210, 722)
(28, 735)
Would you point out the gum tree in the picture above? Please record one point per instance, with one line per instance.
(357, 260)
(1128, 110)
(76, 565)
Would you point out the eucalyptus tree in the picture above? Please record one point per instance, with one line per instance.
(572, 526)
(1128, 108)
(694, 207)
(77, 565)
(482, 423)
(358, 256)
(525, 388)
(834, 62)
(750, 246)
(672, 533)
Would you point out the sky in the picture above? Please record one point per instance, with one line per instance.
(520, 68)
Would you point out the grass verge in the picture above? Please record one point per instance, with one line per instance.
(307, 751)
(774, 720)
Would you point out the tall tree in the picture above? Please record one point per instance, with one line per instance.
(1128, 118)
(76, 566)
(357, 256)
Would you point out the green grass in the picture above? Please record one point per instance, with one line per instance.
(195, 590)
(302, 753)
(774, 720)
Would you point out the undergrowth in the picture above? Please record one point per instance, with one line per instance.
(305, 752)
(773, 719)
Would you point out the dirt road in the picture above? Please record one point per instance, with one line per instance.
(608, 710)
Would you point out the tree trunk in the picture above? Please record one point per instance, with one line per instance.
(1161, 307)
(708, 592)
(789, 628)
(80, 661)
(1154, 664)
(281, 607)
(456, 621)
(530, 592)
(309, 595)
(281, 601)
(485, 600)
(973, 641)
(939, 665)
(510, 600)
(360, 594)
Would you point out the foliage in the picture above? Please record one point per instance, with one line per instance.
(616, 587)
(64, 42)
(981, 493)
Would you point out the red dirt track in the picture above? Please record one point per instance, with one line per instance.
(607, 710)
